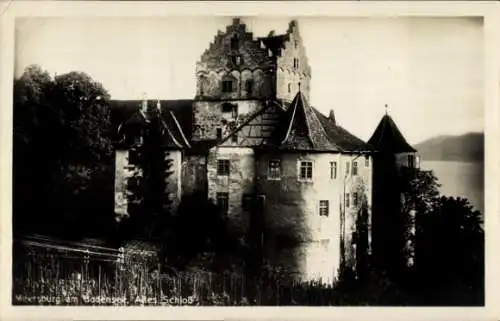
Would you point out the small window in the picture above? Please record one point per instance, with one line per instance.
(219, 133)
(323, 208)
(347, 168)
(234, 138)
(227, 86)
(223, 203)
(411, 161)
(274, 169)
(246, 202)
(223, 167)
(289, 88)
(249, 87)
(347, 203)
(305, 170)
(295, 63)
(235, 43)
(367, 161)
(236, 60)
(333, 170)
(354, 168)
(355, 199)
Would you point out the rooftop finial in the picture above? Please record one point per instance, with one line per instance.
(386, 108)
(299, 87)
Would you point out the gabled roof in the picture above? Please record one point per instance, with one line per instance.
(176, 118)
(387, 138)
(302, 130)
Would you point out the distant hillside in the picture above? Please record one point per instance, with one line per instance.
(467, 148)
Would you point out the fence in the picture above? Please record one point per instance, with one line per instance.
(48, 272)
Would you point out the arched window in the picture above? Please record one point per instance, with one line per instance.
(203, 84)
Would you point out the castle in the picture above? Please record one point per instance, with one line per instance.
(250, 136)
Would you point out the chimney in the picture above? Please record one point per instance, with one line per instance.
(144, 105)
(292, 25)
(271, 33)
(331, 116)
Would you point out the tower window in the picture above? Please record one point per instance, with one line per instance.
(333, 170)
(223, 202)
(227, 86)
(236, 60)
(354, 168)
(289, 88)
(223, 167)
(367, 161)
(305, 170)
(234, 43)
(249, 87)
(295, 63)
(323, 208)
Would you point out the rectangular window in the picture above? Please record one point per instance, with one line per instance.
(249, 85)
(236, 60)
(347, 168)
(367, 161)
(234, 138)
(246, 202)
(274, 169)
(333, 170)
(227, 86)
(219, 133)
(223, 167)
(355, 199)
(347, 203)
(411, 161)
(323, 208)
(223, 203)
(354, 168)
(305, 170)
(289, 88)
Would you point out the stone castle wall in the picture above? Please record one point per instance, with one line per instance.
(288, 75)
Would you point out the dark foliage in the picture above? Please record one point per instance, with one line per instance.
(62, 155)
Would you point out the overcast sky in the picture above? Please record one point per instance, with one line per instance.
(428, 70)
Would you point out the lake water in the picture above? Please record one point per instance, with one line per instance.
(460, 179)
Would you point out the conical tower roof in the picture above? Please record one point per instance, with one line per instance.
(302, 129)
(388, 138)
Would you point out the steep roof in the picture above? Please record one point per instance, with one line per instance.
(388, 138)
(340, 136)
(302, 130)
(176, 118)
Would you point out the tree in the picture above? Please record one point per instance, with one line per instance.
(149, 205)
(448, 240)
(62, 151)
